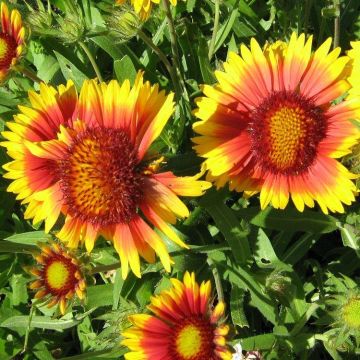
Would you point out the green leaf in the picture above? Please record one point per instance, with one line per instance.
(289, 220)
(16, 248)
(243, 278)
(29, 238)
(43, 322)
(99, 295)
(264, 253)
(259, 342)
(350, 237)
(70, 71)
(125, 69)
(118, 284)
(228, 224)
(226, 28)
(237, 307)
(19, 289)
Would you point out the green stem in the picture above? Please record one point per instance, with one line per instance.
(104, 268)
(308, 5)
(215, 29)
(174, 48)
(28, 328)
(92, 60)
(218, 285)
(164, 59)
(28, 73)
(337, 27)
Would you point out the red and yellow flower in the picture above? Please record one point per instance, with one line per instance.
(59, 276)
(11, 39)
(184, 325)
(89, 159)
(143, 7)
(270, 125)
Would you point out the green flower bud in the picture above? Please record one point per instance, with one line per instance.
(123, 24)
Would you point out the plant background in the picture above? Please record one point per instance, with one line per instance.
(285, 275)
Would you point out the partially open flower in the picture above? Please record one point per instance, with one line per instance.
(185, 326)
(11, 40)
(59, 276)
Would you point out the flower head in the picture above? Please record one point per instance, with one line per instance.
(270, 125)
(143, 7)
(88, 158)
(59, 276)
(184, 325)
(11, 39)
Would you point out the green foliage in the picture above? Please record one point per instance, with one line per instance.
(286, 275)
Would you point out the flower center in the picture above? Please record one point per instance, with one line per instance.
(59, 275)
(7, 50)
(193, 340)
(100, 178)
(351, 313)
(285, 131)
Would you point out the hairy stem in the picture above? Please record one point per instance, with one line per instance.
(174, 48)
(28, 73)
(164, 59)
(216, 275)
(92, 60)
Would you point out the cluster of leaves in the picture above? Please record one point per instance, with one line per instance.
(285, 275)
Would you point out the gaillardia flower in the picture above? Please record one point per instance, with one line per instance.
(59, 276)
(143, 7)
(270, 125)
(89, 159)
(184, 326)
(11, 40)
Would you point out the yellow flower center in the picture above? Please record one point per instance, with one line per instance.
(286, 130)
(351, 313)
(7, 50)
(193, 339)
(188, 342)
(100, 178)
(287, 134)
(57, 274)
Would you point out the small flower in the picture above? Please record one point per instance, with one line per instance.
(11, 40)
(143, 7)
(89, 158)
(184, 326)
(59, 276)
(270, 125)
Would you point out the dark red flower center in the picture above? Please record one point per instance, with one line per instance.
(193, 339)
(7, 50)
(286, 130)
(100, 178)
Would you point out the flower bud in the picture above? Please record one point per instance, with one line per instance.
(123, 24)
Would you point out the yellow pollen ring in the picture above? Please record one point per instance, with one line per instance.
(188, 342)
(4, 48)
(287, 134)
(57, 275)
